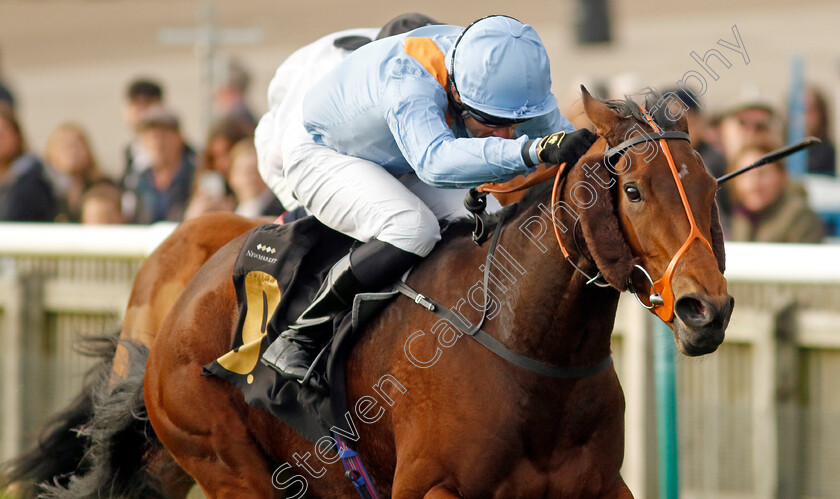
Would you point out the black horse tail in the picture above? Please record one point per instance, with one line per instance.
(60, 449)
(101, 445)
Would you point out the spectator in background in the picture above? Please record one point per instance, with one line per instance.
(698, 130)
(254, 198)
(25, 193)
(141, 95)
(102, 204)
(752, 122)
(713, 134)
(72, 167)
(767, 207)
(211, 191)
(163, 190)
(231, 97)
(209, 194)
(221, 138)
(821, 157)
(7, 98)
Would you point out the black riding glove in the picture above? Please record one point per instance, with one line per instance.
(562, 147)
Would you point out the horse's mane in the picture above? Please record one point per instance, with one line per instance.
(539, 192)
(626, 108)
(654, 102)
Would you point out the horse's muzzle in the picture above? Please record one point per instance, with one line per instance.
(701, 323)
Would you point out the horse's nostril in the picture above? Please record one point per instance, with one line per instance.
(693, 312)
(697, 307)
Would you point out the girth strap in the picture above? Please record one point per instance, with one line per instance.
(498, 348)
(475, 332)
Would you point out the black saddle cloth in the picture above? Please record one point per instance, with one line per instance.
(277, 274)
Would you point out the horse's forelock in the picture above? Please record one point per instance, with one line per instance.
(631, 113)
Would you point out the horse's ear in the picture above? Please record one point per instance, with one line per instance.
(602, 232)
(682, 123)
(717, 239)
(676, 113)
(598, 113)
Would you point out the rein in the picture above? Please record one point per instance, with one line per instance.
(597, 279)
(660, 300)
(661, 297)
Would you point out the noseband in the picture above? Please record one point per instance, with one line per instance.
(661, 297)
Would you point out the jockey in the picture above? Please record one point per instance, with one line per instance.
(386, 144)
(295, 77)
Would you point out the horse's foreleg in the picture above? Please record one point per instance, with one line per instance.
(440, 493)
(195, 420)
(210, 441)
(233, 473)
(418, 480)
(620, 491)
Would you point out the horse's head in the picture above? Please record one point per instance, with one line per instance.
(653, 227)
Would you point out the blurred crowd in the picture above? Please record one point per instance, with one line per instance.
(763, 204)
(164, 177)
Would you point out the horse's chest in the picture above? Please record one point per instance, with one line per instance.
(573, 450)
(579, 476)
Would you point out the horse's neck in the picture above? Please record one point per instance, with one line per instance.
(550, 313)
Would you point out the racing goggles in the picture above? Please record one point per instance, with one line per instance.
(487, 119)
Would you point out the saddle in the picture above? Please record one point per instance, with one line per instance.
(277, 274)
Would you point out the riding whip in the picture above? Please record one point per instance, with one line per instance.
(771, 157)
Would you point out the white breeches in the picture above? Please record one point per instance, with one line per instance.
(363, 200)
(270, 162)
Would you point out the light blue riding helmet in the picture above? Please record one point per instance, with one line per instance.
(500, 67)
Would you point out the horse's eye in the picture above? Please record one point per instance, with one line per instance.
(633, 193)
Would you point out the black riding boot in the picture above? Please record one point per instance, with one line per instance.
(370, 267)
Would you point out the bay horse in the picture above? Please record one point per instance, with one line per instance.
(456, 420)
(472, 424)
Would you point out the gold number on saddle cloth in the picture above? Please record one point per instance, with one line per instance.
(262, 297)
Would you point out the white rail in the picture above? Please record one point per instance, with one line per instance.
(127, 241)
(783, 263)
(748, 262)
(80, 273)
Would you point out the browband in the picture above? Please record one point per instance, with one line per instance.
(647, 137)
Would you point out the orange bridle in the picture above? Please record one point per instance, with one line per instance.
(661, 300)
(663, 285)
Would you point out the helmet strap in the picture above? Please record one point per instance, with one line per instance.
(456, 109)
